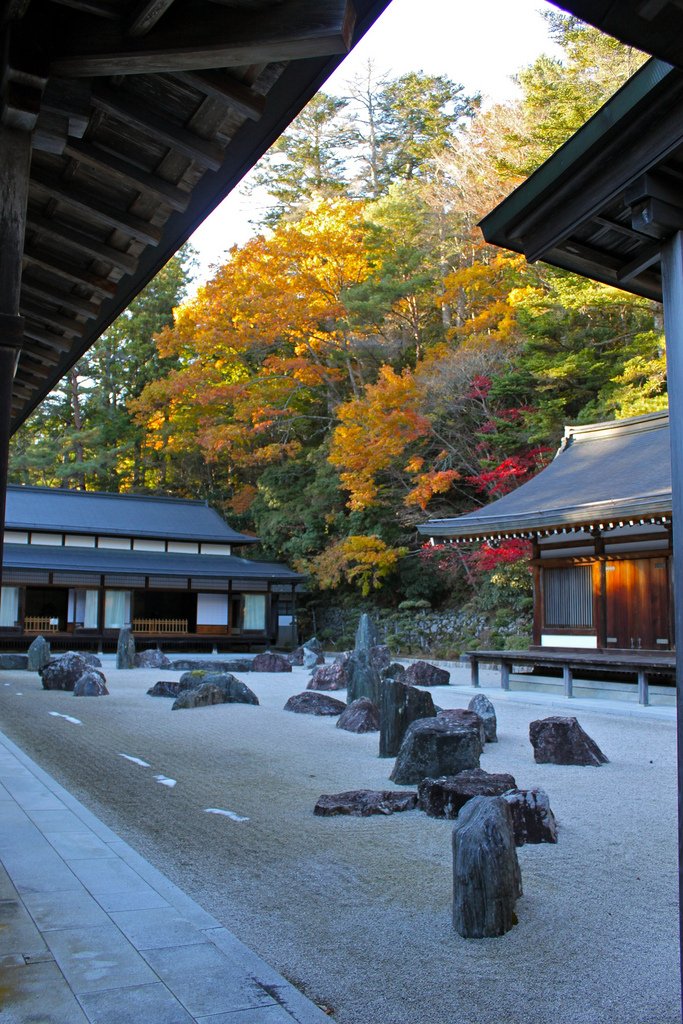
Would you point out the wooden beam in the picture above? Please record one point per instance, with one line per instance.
(623, 229)
(145, 119)
(68, 272)
(192, 41)
(227, 90)
(146, 16)
(68, 98)
(657, 218)
(83, 243)
(74, 198)
(38, 290)
(649, 255)
(46, 316)
(100, 8)
(56, 342)
(128, 174)
(41, 353)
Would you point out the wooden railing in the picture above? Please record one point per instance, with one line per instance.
(40, 624)
(160, 625)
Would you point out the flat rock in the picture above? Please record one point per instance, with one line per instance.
(204, 696)
(463, 716)
(486, 711)
(487, 881)
(125, 649)
(91, 684)
(360, 716)
(532, 819)
(443, 798)
(63, 673)
(421, 673)
(16, 661)
(329, 677)
(362, 678)
(38, 654)
(311, 703)
(271, 663)
(152, 659)
(432, 748)
(361, 803)
(367, 634)
(164, 688)
(559, 740)
(213, 665)
(400, 705)
(235, 691)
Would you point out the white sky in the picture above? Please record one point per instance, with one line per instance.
(479, 44)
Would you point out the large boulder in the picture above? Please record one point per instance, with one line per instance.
(329, 677)
(399, 705)
(308, 703)
(204, 696)
(393, 671)
(443, 798)
(367, 634)
(363, 802)
(164, 688)
(91, 684)
(360, 716)
(13, 661)
(314, 648)
(462, 716)
(125, 649)
(362, 678)
(432, 748)
(532, 819)
(235, 691)
(559, 740)
(152, 659)
(381, 656)
(421, 673)
(487, 881)
(213, 665)
(271, 663)
(63, 673)
(486, 711)
(38, 654)
(92, 659)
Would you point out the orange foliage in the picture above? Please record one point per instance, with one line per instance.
(362, 560)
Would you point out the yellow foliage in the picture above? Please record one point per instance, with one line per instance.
(364, 561)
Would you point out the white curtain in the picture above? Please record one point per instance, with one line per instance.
(9, 606)
(255, 611)
(116, 609)
(91, 607)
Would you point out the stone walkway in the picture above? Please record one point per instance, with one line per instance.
(91, 932)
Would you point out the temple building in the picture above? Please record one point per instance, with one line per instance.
(599, 521)
(79, 565)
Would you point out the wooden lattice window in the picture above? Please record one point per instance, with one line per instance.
(568, 597)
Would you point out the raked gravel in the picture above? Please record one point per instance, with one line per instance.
(356, 912)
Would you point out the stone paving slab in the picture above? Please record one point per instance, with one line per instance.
(91, 933)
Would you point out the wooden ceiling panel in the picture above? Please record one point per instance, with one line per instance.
(144, 119)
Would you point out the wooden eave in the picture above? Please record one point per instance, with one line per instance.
(143, 118)
(604, 203)
(655, 26)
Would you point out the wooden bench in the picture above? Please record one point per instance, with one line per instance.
(642, 664)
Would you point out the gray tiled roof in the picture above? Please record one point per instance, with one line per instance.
(70, 511)
(142, 563)
(603, 471)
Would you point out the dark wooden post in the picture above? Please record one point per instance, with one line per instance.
(672, 293)
(15, 163)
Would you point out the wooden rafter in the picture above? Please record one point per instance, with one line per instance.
(66, 300)
(222, 87)
(65, 235)
(127, 173)
(69, 272)
(215, 38)
(146, 16)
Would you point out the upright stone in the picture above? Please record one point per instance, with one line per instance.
(38, 654)
(463, 716)
(362, 678)
(486, 711)
(399, 705)
(532, 819)
(367, 635)
(125, 649)
(487, 881)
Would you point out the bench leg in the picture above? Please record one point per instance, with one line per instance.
(505, 675)
(643, 687)
(568, 678)
(474, 672)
